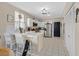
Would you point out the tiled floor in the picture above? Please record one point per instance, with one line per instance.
(53, 47)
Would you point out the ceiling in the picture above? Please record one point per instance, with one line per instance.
(55, 9)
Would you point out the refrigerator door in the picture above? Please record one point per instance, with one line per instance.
(48, 32)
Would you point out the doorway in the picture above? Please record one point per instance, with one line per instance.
(56, 29)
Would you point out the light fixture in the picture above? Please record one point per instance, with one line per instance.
(44, 11)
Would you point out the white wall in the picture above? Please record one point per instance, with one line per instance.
(69, 20)
(67, 7)
(77, 32)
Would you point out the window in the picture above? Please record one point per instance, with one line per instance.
(28, 22)
(19, 20)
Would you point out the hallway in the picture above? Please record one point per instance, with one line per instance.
(53, 47)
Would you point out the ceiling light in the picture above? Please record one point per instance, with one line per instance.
(44, 11)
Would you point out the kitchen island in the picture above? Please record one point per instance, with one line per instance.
(36, 38)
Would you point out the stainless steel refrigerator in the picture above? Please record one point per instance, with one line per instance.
(48, 32)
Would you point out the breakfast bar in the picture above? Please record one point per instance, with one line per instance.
(36, 38)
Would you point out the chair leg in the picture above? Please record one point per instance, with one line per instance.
(26, 48)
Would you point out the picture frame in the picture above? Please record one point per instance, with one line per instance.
(10, 18)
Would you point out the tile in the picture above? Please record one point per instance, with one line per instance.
(53, 47)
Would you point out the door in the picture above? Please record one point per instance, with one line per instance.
(56, 29)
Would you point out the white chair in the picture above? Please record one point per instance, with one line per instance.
(20, 42)
(7, 40)
(10, 42)
(8, 35)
